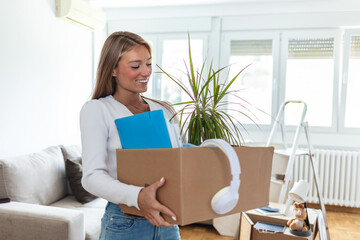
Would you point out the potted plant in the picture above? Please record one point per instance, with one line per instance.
(208, 113)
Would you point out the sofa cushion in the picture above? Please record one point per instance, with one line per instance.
(37, 178)
(73, 166)
(93, 212)
(92, 222)
(70, 202)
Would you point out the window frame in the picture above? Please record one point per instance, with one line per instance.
(348, 33)
(225, 54)
(313, 33)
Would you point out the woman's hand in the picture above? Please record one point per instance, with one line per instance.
(151, 207)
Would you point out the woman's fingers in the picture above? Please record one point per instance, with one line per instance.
(154, 216)
(151, 208)
(161, 208)
(167, 211)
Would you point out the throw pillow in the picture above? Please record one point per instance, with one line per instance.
(74, 174)
(71, 151)
(37, 178)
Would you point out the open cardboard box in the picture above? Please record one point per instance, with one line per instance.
(193, 175)
(250, 218)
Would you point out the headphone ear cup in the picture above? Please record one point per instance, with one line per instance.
(224, 200)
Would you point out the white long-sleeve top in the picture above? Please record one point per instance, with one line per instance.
(100, 139)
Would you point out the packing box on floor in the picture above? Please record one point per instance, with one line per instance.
(250, 218)
(193, 175)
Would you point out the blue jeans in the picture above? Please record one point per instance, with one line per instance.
(114, 226)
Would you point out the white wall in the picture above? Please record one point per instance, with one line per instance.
(45, 77)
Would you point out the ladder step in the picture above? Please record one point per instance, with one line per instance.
(288, 151)
(277, 181)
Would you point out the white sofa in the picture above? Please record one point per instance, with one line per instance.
(42, 205)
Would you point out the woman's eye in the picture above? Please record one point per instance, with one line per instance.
(135, 67)
(149, 64)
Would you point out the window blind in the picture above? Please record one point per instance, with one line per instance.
(355, 47)
(251, 47)
(318, 48)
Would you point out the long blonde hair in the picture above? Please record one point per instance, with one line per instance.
(115, 46)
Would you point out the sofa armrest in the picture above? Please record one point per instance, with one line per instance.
(31, 221)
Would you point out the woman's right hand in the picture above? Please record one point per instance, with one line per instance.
(151, 207)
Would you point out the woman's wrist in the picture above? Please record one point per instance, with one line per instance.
(138, 198)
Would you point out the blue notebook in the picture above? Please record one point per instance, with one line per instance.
(144, 130)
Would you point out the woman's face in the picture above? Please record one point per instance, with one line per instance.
(133, 70)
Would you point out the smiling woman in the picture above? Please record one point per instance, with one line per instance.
(122, 76)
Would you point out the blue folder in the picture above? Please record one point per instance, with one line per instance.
(269, 227)
(144, 130)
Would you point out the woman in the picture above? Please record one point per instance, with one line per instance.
(123, 74)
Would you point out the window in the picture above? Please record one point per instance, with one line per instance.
(175, 61)
(308, 62)
(310, 76)
(255, 83)
(352, 113)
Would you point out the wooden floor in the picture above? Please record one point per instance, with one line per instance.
(342, 225)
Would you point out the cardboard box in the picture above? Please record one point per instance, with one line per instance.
(250, 218)
(193, 175)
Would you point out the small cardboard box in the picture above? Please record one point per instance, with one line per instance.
(193, 175)
(250, 218)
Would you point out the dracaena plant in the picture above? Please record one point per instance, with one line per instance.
(208, 113)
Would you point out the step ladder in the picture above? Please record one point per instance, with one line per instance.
(292, 152)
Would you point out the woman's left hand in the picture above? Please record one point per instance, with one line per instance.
(151, 207)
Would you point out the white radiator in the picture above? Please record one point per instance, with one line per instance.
(339, 173)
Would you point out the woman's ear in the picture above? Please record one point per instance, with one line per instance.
(114, 72)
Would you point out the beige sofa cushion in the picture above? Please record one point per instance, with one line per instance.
(37, 178)
(23, 221)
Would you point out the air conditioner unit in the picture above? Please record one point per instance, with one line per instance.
(80, 12)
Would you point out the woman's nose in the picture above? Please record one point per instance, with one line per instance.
(146, 71)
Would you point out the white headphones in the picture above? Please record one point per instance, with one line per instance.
(226, 199)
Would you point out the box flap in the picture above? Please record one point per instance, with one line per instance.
(245, 227)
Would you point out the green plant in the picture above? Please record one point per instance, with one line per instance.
(207, 113)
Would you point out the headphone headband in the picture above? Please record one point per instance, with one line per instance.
(229, 152)
(226, 199)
